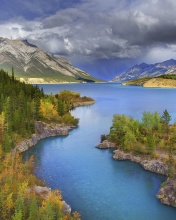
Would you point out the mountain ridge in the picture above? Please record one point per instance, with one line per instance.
(29, 61)
(148, 70)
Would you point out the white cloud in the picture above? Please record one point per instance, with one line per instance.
(159, 54)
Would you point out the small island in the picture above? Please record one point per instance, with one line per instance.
(150, 142)
(162, 81)
(27, 115)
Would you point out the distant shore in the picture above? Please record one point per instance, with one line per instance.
(50, 81)
(152, 83)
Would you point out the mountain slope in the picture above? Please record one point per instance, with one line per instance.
(148, 70)
(31, 62)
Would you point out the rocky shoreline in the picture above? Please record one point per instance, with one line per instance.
(42, 131)
(167, 192)
(87, 103)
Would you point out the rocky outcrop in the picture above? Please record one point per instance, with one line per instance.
(87, 103)
(66, 208)
(167, 193)
(105, 145)
(153, 165)
(43, 130)
(44, 191)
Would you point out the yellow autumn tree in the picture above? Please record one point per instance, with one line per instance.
(47, 110)
(2, 122)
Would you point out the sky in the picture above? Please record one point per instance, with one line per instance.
(103, 37)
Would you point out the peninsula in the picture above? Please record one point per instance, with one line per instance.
(163, 81)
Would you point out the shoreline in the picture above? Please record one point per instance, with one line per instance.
(167, 191)
(152, 83)
(52, 82)
(42, 131)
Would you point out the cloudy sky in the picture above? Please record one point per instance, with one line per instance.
(103, 37)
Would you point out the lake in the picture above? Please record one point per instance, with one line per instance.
(95, 185)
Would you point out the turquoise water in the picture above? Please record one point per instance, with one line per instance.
(90, 180)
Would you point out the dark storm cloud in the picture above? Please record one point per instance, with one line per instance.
(97, 29)
(32, 9)
(110, 29)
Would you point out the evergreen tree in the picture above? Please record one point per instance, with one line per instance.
(171, 163)
(13, 77)
(150, 144)
(166, 118)
(6, 144)
(18, 215)
(34, 212)
(19, 205)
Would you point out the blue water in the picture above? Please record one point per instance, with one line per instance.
(90, 180)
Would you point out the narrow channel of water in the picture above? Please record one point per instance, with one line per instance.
(90, 180)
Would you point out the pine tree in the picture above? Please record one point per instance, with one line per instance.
(34, 212)
(19, 206)
(150, 145)
(13, 77)
(166, 118)
(18, 215)
(6, 144)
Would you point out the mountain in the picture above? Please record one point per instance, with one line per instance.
(34, 65)
(148, 70)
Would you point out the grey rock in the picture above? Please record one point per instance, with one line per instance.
(106, 144)
(167, 193)
(43, 131)
(153, 165)
(66, 208)
(42, 189)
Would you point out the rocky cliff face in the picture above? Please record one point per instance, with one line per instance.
(31, 62)
(43, 130)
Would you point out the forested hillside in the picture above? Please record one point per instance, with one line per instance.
(20, 106)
